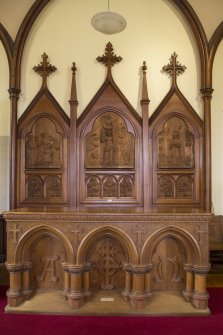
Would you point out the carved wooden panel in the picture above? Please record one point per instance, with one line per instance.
(175, 186)
(108, 159)
(107, 257)
(106, 186)
(48, 255)
(175, 145)
(109, 144)
(168, 260)
(177, 142)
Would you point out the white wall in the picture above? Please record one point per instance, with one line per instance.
(153, 33)
(4, 131)
(217, 132)
(155, 29)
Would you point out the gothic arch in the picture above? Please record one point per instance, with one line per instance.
(35, 234)
(107, 231)
(190, 245)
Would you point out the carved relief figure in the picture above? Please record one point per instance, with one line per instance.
(126, 187)
(34, 187)
(53, 187)
(93, 187)
(110, 187)
(184, 187)
(109, 144)
(165, 187)
(175, 145)
(43, 147)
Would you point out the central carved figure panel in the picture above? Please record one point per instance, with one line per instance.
(109, 144)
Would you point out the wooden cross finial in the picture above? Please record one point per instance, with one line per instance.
(174, 68)
(44, 69)
(109, 58)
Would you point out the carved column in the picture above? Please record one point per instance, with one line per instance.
(66, 288)
(86, 281)
(148, 280)
(14, 96)
(207, 96)
(200, 295)
(14, 293)
(128, 282)
(138, 294)
(75, 296)
(188, 292)
(26, 289)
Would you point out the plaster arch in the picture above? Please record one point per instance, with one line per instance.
(107, 231)
(191, 247)
(35, 234)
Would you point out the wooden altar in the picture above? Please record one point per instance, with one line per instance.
(110, 200)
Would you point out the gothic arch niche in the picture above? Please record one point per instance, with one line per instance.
(45, 249)
(107, 249)
(48, 255)
(168, 261)
(107, 257)
(168, 250)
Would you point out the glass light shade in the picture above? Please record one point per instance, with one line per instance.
(108, 22)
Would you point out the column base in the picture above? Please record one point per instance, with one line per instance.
(75, 300)
(187, 295)
(137, 301)
(14, 298)
(200, 300)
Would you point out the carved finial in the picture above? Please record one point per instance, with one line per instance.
(74, 69)
(145, 98)
(144, 67)
(44, 69)
(109, 58)
(73, 93)
(174, 68)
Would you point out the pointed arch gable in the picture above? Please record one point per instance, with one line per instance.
(33, 234)
(107, 231)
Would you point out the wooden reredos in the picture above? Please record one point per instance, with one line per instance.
(110, 155)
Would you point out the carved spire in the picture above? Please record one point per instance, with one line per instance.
(174, 68)
(44, 69)
(145, 97)
(73, 93)
(109, 58)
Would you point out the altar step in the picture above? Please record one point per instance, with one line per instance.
(107, 303)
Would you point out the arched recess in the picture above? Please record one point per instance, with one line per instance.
(104, 232)
(7, 43)
(213, 46)
(193, 253)
(23, 248)
(200, 36)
